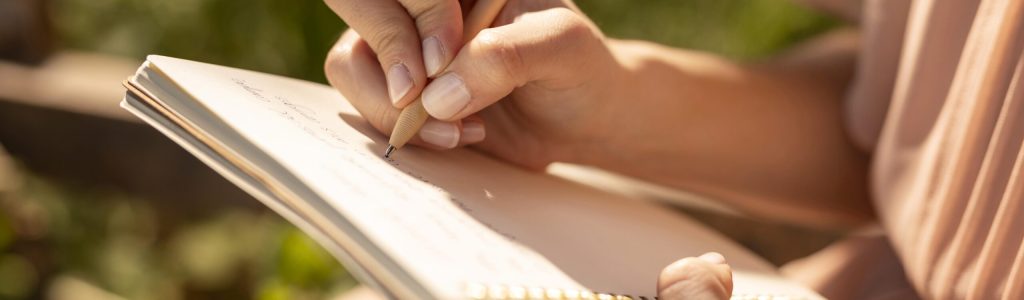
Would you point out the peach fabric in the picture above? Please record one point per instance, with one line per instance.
(862, 266)
(939, 98)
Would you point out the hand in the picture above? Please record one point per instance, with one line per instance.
(544, 85)
(536, 85)
(704, 278)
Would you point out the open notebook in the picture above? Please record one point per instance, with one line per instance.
(427, 224)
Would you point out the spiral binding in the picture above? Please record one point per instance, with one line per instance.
(508, 292)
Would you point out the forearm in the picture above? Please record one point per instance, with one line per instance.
(766, 139)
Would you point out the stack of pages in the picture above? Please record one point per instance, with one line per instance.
(424, 224)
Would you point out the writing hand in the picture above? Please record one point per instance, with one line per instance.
(536, 84)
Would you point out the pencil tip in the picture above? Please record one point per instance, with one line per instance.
(387, 153)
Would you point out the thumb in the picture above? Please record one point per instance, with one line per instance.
(707, 277)
(536, 46)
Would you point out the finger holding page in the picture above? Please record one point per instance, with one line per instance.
(352, 69)
(537, 46)
(707, 277)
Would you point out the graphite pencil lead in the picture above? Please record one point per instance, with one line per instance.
(387, 153)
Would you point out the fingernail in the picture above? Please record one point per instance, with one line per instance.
(445, 96)
(433, 55)
(473, 132)
(399, 82)
(439, 133)
(713, 257)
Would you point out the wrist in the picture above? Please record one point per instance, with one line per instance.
(613, 108)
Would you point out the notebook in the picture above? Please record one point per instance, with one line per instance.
(424, 224)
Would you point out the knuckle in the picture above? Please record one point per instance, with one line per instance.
(420, 8)
(563, 13)
(685, 270)
(387, 36)
(573, 27)
(502, 54)
(337, 55)
(334, 63)
(435, 17)
(692, 275)
(685, 265)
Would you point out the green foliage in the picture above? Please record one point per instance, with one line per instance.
(17, 275)
(6, 232)
(126, 246)
(283, 37)
(292, 37)
(741, 29)
(302, 262)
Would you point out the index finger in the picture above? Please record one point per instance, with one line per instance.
(391, 33)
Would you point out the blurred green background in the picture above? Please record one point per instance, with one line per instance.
(292, 37)
(57, 237)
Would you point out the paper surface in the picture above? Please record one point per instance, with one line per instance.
(449, 218)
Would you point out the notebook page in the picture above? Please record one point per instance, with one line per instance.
(458, 217)
(228, 146)
(403, 215)
(245, 182)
